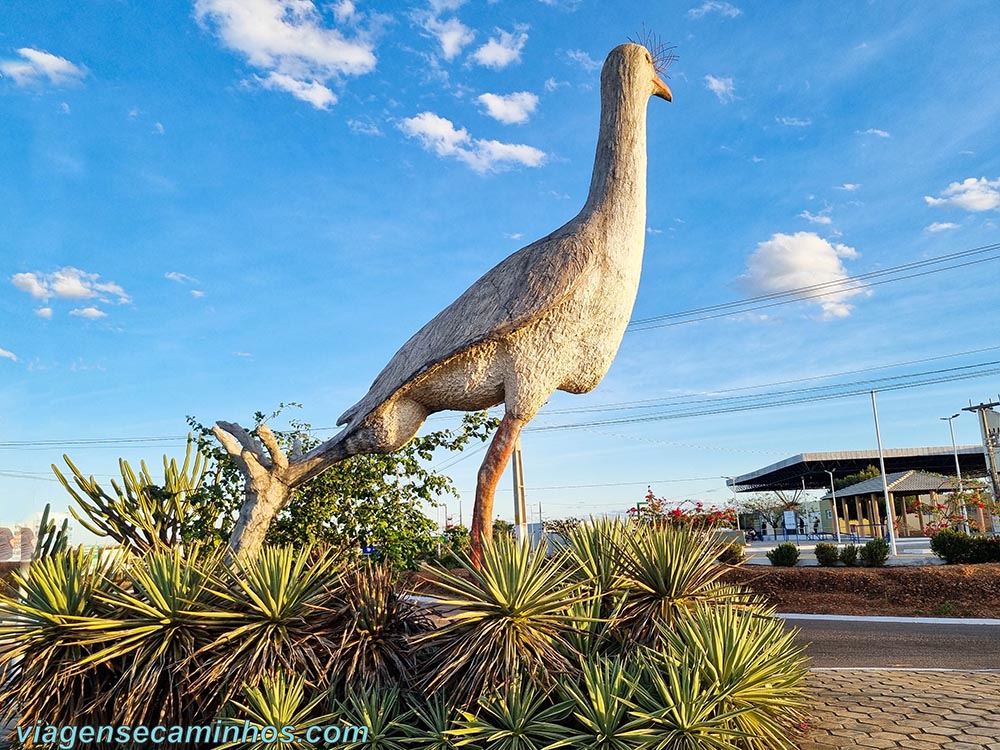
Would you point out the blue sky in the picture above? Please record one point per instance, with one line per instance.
(209, 208)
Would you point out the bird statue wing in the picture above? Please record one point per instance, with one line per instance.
(518, 290)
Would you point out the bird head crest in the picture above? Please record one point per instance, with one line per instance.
(662, 52)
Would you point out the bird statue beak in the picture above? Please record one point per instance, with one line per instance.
(661, 89)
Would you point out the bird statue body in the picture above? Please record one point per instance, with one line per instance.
(549, 317)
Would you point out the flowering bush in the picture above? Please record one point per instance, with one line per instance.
(653, 511)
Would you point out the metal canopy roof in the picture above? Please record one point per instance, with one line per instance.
(812, 467)
(901, 483)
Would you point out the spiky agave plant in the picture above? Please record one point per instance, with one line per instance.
(666, 571)
(44, 616)
(273, 620)
(748, 658)
(599, 705)
(373, 622)
(521, 716)
(512, 619)
(279, 701)
(157, 618)
(381, 712)
(431, 723)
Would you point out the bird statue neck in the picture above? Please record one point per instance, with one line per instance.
(618, 185)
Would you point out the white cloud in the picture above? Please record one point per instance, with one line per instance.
(452, 35)
(513, 235)
(803, 259)
(441, 6)
(64, 108)
(714, 7)
(38, 65)
(970, 194)
(941, 226)
(180, 278)
(158, 128)
(823, 217)
(793, 122)
(197, 293)
(364, 127)
(551, 84)
(848, 186)
(439, 135)
(68, 283)
(584, 60)
(873, 131)
(313, 92)
(344, 11)
(44, 312)
(290, 42)
(721, 87)
(503, 50)
(88, 312)
(510, 109)
(7, 354)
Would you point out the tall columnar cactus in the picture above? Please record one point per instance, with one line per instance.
(142, 515)
(50, 539)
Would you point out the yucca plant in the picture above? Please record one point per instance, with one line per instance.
(599, 702)
(156, 618)
(520, 717)
(279, 701)
(752, 663)
(594, 553)
(430, 724)
(382, 712)
(373, 621)
(512, 619)
(674, 708)
(44, 614)
(666, 571)
(273, 620)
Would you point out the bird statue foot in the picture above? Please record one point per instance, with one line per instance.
(267, 486)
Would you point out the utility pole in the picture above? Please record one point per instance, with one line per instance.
(958, 471)
(520, 512)
(836, 516)
(988, 446)
(890, 515)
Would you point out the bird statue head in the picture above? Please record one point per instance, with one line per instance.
(639, 67)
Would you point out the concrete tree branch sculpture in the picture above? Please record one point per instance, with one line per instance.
(549, 317)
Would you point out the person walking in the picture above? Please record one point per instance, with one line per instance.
(763, 528)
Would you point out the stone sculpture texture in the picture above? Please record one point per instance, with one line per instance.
(549, 317)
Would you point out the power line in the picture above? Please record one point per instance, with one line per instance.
(813, 291)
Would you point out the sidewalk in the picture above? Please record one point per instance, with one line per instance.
(912, 551)
(912, 709)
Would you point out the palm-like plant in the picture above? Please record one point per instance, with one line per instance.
(44, 675)
(375, 621)
(600, 705)
(666, 571)
(380, 710)
(674, 708)
(521, 717)
(431, 724)
(512, 620)
(749, 660)
(279, 701)
(156, 618)
(274, 620)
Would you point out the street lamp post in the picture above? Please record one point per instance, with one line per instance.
(836, 516)
(958, 472)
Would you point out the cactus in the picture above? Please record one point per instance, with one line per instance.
(50, 540)
(142, 515)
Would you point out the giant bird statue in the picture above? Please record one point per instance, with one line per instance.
(549, 317)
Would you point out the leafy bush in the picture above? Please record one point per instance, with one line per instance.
(827, 554)
(849, 555)
(784, 555)
(953, 546)
(875, 553)
(733, 554)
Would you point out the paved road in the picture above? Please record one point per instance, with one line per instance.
(899, 645)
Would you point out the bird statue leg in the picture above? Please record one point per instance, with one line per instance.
(267, 489)
(497, 456)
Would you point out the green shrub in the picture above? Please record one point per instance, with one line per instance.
(733, 554)
(875, 553)
(849, 555)
(952, 546)
(785, 555)
(827, 554)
